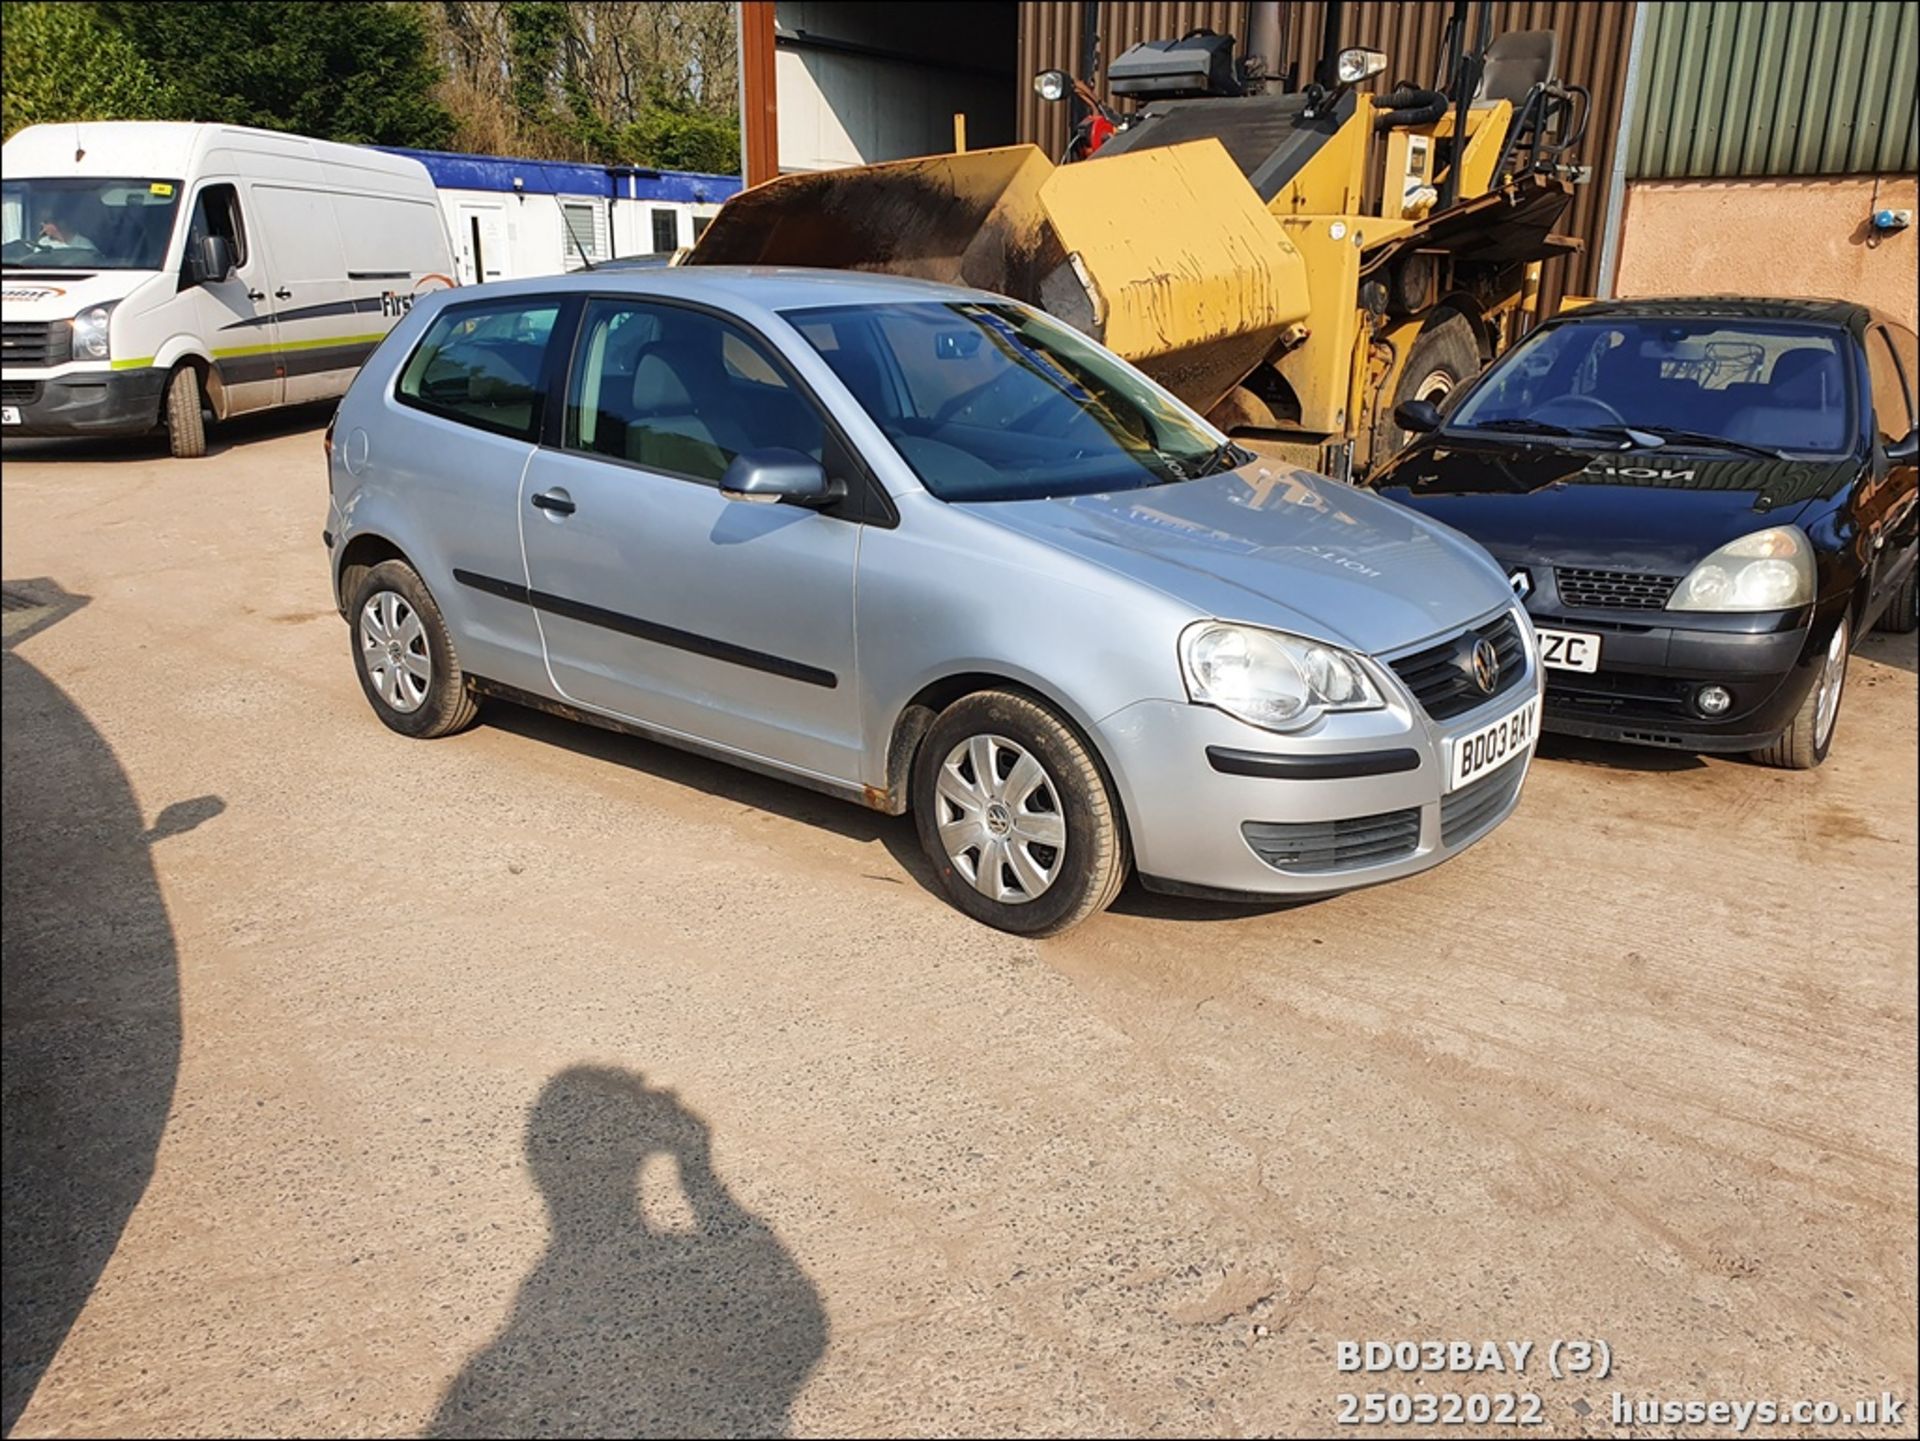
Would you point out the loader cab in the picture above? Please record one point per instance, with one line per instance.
(1517, 117)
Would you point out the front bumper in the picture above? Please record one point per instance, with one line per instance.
(1652, 670)
(1202, 807)
(93, 402)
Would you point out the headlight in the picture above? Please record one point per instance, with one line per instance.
(1353, 66)
(1051, 85)
(90, 334)
(1768, 570)
(1268, 679)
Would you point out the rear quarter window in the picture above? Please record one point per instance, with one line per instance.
(482, 365)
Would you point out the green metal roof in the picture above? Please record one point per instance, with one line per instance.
(1729, 89)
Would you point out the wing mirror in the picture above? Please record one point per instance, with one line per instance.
(214, 262)
(1418, 416)
(1905, 450)
(777, 474)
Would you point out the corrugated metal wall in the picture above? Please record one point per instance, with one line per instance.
(1778, 89)
(1595, 38)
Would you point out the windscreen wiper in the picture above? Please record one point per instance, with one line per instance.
(1523, 425)
(1225, 456)
(1676, 435)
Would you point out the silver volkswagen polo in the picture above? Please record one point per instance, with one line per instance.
(932, 551)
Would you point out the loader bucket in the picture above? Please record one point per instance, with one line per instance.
(1167, 256)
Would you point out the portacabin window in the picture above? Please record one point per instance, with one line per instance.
(482, 365)
(666, 229)
(581, 220)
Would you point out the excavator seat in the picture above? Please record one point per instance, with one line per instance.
(1516, 63)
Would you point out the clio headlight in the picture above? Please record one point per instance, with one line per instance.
(1768, 570)
(90, 333)
(1270, 679)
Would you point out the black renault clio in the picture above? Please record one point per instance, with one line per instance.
(1704, 504)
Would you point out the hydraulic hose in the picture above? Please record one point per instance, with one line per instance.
(1409, 105)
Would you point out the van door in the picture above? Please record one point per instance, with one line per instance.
(234, 317)
(480, 243)
(313, 304)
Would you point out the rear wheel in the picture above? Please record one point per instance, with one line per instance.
(186, 424)
(1016, 816)
(1809, 736)
(1902, 614)
(404, 655)
(1445, 356)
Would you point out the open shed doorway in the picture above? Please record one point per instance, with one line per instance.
(865, 82)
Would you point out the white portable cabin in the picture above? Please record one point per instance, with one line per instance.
(155, 270)
(511, 218)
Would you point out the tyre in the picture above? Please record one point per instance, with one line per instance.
(1445, 356)
(1809, 736)
(186, 424)
(1902, 614)
(404, 656)
(1015, 815)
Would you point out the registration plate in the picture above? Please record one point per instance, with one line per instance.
(9, 415)
(1569, 649)
(1484, 751)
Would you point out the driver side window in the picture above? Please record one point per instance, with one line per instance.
(217, 212)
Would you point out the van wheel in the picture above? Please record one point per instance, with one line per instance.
(404, 656)
(1016, 816)
(1445, 356)
(1809, 736)
(186, 426)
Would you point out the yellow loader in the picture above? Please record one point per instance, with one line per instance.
(1293, 264)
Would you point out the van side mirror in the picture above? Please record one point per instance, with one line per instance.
(776, 474)
(1418, 416)
(1906, 450)
(214, 263)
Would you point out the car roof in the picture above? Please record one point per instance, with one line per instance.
(765, 287)
(1814, 309)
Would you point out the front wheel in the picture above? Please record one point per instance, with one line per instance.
(1015, 815)
(1809, 735)
(186, 424)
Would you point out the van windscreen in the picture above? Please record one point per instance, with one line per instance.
(57, 223)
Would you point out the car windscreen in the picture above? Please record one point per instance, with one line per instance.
(992, 401)
(1774, 385)
(63, 223)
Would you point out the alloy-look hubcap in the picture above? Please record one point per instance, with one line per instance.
(1833, 679)
(1000, 819)
(393, 646)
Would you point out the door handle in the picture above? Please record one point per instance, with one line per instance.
(256, 295)
(283, 294)
(558, 504)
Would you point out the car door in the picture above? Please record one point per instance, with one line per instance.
(235, 315)
(1886, 504)
(659, 599)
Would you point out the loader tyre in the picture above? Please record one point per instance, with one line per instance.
(1445, 356)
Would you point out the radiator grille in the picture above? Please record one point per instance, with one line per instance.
(1313, 846)
(35, 342)
(1441, 677)
(1471, 810)
(1613, 589)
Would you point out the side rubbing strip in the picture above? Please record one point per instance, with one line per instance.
(651, 631)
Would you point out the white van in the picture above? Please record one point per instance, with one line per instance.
(155, 271)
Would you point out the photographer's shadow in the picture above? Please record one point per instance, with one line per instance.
(628, 1326)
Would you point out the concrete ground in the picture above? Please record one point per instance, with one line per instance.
(545, 1080)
